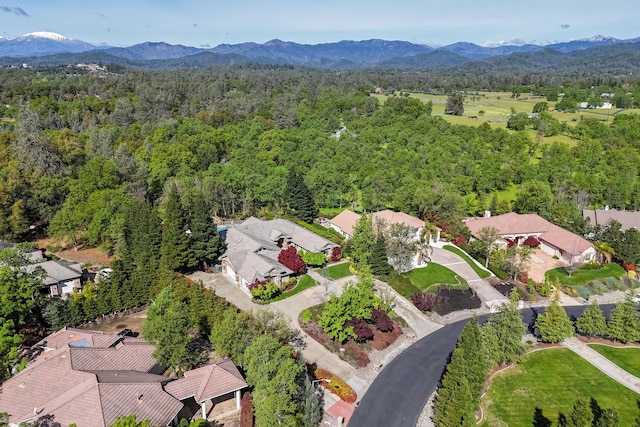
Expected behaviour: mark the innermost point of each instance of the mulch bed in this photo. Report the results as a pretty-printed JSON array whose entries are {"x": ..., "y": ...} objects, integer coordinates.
[{"x": 455, "y": 300}]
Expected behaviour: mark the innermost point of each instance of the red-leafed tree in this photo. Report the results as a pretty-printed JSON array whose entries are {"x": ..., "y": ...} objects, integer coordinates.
[
  {"x": 360, "y": 328},
  {"x": 336, "y": 254},
  {"x": 382, "y": 320},
  {"x": 289, "y": 258}
]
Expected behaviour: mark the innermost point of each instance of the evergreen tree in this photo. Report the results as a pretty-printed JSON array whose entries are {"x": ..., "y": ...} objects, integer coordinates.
[
  {"x": 554, "y": 325},
  {"x": 592, "y": 321},
  {"x": 608, "y": 418},
  {"x": 300, "y": 199},
  {"x": 379, "y": 264},
  {"x": 624, "y": 324},
  {"x": 167, "y": 327},
  {"x": 175, "y": 251},
  {"x": 581, "y": 415},
  {"x": 503, "y": 335},
  {"x": 476, "y": 356},
  {"x": 453, "y": 406},
  {"x": 360, "y": 245},
  {"x": 206, "y": 242},
  {"x": 311, "y": 411}
]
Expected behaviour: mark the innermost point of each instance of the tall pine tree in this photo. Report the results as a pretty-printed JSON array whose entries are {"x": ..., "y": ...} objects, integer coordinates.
[
  {"x": 300, "y": 199},
  {"x": 206, "y": 242},
  {"x": 453, "y": 406},
  {"x": 175, "y": 250},
  {"x": 592, "y": 322},
  {"x": 477, "y": 358}
]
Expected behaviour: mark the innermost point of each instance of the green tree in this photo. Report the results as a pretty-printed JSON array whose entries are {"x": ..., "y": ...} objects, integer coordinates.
[
  {"x": 518, "y": 121},
  {"x": 356, "y": 301},
  {"x": 232, "y": 334},
  {"x": 275, "y": 376},
  {"x": 400, "y": 247},
  {"x": 167, "y": 327},
  {"x": 477, "y": 359},
  {"x": 454, "y": 403},
  {"x": 300, "y": 199},
  {"x": 130, "y": 421},
  {"x": 175, "y": 252},
  {"x": 311, "y": 411},
  {"x": 581, "y": 415},
  {"x": 534, "y": 197},
  {"x": 554, "y": 325},
  {"x": 503, "y": 334},
  {"x": 455, "y": 104},
  {"x": 592, "y": 321},
  {"x": 379, "y": 262},
  {"x": 624, "y": 324},
  {"x": 360, "y": 245},
  {"x": 205, "y": 241}
]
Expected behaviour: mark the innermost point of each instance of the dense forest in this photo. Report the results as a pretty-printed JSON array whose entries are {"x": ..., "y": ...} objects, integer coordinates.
[{"x": 75, "y": 146}]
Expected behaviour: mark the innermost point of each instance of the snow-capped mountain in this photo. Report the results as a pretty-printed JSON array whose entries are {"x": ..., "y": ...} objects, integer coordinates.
[{"x": 41, "y": 43}]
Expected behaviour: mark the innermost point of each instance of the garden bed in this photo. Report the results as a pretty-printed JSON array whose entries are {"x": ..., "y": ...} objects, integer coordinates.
[{"x": 450, "y": 300}]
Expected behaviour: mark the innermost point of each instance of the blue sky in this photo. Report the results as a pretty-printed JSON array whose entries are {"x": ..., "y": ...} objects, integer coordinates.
[{"x": 205, "y": 23}]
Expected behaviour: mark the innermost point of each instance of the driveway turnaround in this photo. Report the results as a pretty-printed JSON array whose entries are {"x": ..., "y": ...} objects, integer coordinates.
[{"x": 398, "y": 395}]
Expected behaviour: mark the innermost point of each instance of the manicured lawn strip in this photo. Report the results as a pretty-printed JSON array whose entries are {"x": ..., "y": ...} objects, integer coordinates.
[
  {"x": 628, "y": 358},
  {"x": 337, "y": 271},
  {"x": 552, "y": 380},
  {"x": 479, "y": 271},
  {"x": 583, "y": 275},
  {"x": 403, "y": 286},
  {"x": 304, "y": 282},
  {"x": 435, "y": 274}
]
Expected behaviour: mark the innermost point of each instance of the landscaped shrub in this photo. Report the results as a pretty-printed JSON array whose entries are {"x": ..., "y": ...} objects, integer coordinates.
[
  {"x": 265, "y": 292},
  {"x": 630, "y": 267},
  {"x": 246, "y": 410},
  {"x": 360, "y": 328},
  {"x": 424, "y": 302},
  {"x": 336, "y": 254},
  {"x": 306, "y": 315},
  {"x": 289, "y": 258},
  {"x": 382, "y": 340},
  {"x": 531, "y": 241},
  {"x": 312, "y": 259},
  {"x": 336, "y": 385},
  {"x": 382, "y": 320},
  {"x": 544, "y": 289},
  {"x": 459, "y": 240}
]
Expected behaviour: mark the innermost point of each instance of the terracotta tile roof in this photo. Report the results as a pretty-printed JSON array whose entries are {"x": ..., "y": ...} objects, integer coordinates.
[
  {"x": 92, "y": 386},
  {"x": 391, "y": 217},
  {"x": 346, "y": 220},
  {"x": 514, "y": 224},
  {"x": 133, "y": 357},
  {"x": 65, "y": 336},
  {"x": 208, "y": 382}
]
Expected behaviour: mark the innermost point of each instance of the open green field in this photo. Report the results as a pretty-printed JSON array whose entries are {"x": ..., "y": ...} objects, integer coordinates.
[
  {"x": 337, "y": 271},
  {"x": 551, "y": 380},
  {"x": 584, "y": 275},
  {"x": 479, "y": 271},
  {"x": 628, "y": 358}
]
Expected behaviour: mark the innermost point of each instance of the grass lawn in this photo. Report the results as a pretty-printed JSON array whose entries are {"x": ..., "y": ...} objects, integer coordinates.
[
  {"x": 551, "y": 380},
  {"x": 304, "y": 282},
  {"x": 628, "y": 358},
  {"x": 427, "y": 278},
  {"x": 583, "y": 275},
  {"x": 479, "y": 271},
  {"x": 337, "y": 271}
]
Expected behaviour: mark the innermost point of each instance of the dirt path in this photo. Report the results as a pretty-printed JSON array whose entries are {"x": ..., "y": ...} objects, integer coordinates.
[{"x": 94, "y": 256}]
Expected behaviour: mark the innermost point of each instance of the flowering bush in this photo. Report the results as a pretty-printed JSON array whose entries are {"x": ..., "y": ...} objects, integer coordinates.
[
  {"x": 459, "y": 240},
  {"x": 424, "y": 302},
  {"x": 630, "y": 267},
  {"x": 336, "y": 385},
  {"x": 531, "y": 241}
]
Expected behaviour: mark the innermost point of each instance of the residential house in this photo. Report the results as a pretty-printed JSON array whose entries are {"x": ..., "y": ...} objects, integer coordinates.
[
  {"x": 554, "y": 240},
  {"x": 90, "y": 379},
  {"x": 59, "y": 278},
  {"x": 346, "y": 220},
  {"x": 603, "y": 217},
  {"x": 254, "y": 245}
]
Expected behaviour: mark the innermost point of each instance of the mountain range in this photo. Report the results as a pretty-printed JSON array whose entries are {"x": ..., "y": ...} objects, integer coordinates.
[{"x": 46, "y": 48}]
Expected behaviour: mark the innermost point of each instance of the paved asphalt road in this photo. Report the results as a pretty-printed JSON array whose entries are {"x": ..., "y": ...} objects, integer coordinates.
[{"x": 398, "y": 395}]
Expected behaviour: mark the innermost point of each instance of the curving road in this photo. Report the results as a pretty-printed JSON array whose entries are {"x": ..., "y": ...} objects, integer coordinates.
[{"x": 398, "y": 395}]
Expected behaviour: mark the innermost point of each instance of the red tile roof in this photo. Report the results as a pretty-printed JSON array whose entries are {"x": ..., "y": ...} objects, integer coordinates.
[
  {"x": 92, "y": 386},
  {"x": 514, "y": 224}
]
